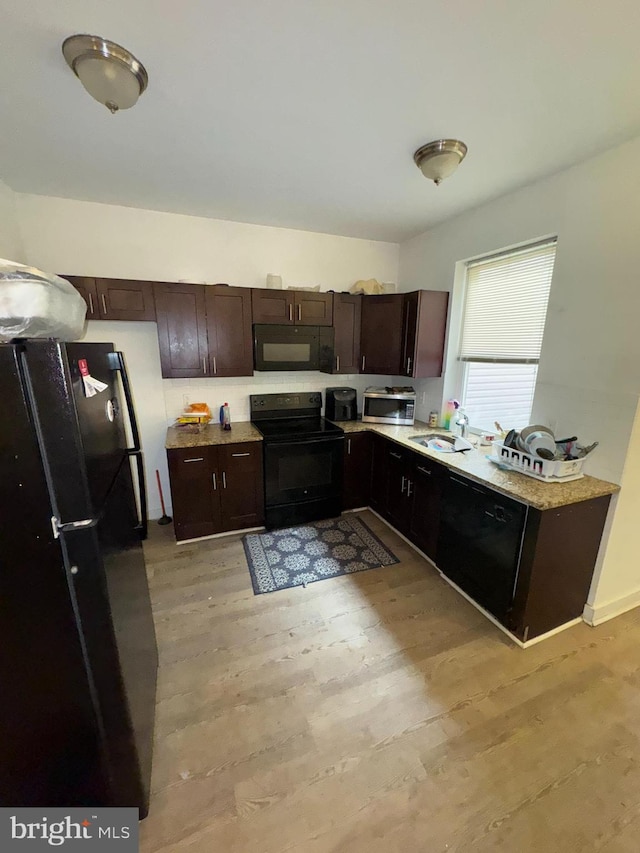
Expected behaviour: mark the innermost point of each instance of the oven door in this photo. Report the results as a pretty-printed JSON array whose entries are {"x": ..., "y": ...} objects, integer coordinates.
[
  {"x": 286, "y": 347},
  {"x": 388, "y": 409},
  {"x": 303, "y": 480}
]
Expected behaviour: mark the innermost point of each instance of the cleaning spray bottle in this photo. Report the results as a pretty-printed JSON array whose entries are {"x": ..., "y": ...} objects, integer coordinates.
[{"x": 225, "y": 416}]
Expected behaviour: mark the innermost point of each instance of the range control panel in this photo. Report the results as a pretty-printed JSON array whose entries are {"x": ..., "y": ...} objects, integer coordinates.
[{"x": 263, "y": 403}]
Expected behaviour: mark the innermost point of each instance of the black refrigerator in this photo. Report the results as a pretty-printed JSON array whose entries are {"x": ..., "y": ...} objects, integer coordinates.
[{"x": 78, "y": 654}]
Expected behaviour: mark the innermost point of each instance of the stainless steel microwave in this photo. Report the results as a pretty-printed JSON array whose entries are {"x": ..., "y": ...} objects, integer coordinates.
[
  {"x": 280, "y": 347},
  {"x": 388, "y": 406}
]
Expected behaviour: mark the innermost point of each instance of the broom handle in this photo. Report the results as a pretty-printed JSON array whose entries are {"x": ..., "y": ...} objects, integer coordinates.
[{"x": 160, "y": 490}]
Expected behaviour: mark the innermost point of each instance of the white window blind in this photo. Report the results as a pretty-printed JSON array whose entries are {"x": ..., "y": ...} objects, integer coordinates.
[{"x": 504, "y": 315}]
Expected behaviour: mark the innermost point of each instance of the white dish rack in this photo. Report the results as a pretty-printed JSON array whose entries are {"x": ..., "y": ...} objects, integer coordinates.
[{"x": 547, "y": 470}]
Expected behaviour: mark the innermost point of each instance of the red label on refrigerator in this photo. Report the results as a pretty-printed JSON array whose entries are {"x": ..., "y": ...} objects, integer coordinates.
[{"x": 82, "y": 364}]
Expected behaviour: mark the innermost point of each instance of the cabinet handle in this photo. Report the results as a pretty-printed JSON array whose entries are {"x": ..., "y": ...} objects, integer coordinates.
[
  {"x": 409, "y": 492},
  {"x": 195, "y": 459},
  {"x": 241, "y": 454},
  {"x": 423, "y": 471},
  {"x": 349, "y": 446},
  {"x": 338, "y": 363},
  {"x": 224, "y": 480},
  {"x": 408, "y": 367},
  {"x": 104, "y": 304},
  {"x": 291, "y": 312},
  {"x": 90, "y": 303},
  {"x": 395, "y": 456},
  {"x": 363, "y": 360},
  {"x": 204, "y": 364},
  {"x": 299, "y": 313},
  {"x": 215, "y": 365},
  {"x": 402, "y": 486},
  {"x": 215, "y": 482}
]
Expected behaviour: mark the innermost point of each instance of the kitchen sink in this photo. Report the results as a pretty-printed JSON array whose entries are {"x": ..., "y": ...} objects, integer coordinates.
[{"x": 451, "y": 443}]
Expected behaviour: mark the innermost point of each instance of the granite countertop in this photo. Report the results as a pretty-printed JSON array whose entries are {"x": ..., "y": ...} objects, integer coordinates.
[
  {"x": 212, "y": 434},
  {"x": 473, "y": 464},
  {"x": 476, "y": 466}
]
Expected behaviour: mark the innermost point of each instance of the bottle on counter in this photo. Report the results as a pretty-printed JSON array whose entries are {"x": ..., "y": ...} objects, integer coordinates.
[
  {"x": 225, "y": 416},
  {"x": 433, "y": 419},
  {"x": 449, "y": 413}
]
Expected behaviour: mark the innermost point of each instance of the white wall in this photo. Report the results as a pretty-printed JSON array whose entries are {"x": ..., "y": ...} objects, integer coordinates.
[
  {"x": 10, "y": 241},
  {"x": 83, "y": 238},
  {"x": 589, "y": 375}
]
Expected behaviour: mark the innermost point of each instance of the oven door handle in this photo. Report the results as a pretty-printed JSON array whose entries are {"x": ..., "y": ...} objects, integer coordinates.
[{"x": 307, "y": 441}]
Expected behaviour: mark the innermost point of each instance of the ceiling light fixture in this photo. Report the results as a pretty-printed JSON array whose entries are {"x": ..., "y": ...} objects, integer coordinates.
[
  {"x": 437, "y": 160},
  {"x": 108, "y": 72}
]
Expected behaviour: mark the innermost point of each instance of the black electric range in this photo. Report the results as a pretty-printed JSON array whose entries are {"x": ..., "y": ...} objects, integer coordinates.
[{"x": 303, "y": 458}]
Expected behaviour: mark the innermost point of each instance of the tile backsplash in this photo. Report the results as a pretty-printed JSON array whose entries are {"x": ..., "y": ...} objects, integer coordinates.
[{"x": 236, "y": 390}]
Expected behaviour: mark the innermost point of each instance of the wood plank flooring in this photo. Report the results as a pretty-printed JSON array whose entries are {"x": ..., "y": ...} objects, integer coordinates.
[{"x": 380, "y": 712}]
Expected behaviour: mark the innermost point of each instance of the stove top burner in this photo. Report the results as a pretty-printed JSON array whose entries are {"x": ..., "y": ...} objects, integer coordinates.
[{"x": 287, "y": 428}]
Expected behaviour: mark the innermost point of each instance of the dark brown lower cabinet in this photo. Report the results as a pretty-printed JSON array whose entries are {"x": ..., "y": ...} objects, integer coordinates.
[
  {"x": 196, "y": 503},
  {"x": 530, "y": 568},
  {"x": 242, "y": 493},
  {"x": 425, "y": 486},
  {"x": 357, "y": 470},
  {"x": 216, "y": 488}
]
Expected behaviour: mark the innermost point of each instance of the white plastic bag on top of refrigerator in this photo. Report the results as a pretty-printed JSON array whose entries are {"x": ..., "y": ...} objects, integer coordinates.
[{"x": 36, "y": 304}]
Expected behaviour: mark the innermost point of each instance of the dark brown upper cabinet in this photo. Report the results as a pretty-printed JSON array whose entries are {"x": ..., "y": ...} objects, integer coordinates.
[
  {"x": 347, "y": 313},
  {"x": 230, "y": 342},
  {"x": 86, "y": 287},
  {"x": 292, "y": 307},
  {"x": 115, "y": 298},
  {"x": 381, "y": 336},
  {"x": 182, "y": 330},
  {"x": 424, "y": 330},
  {"x": 122, "y": 299}
]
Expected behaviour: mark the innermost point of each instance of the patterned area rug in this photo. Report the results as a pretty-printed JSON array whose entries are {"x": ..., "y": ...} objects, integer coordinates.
[{"x": 297, "y": 556}]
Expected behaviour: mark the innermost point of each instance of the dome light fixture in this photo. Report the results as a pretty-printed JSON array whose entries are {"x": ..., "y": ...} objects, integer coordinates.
[
  {"x": 108, "y": 72},
  {"x": 437, "y": 160}
]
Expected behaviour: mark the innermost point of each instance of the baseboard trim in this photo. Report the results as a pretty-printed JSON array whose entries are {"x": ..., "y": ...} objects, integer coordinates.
[
  {"x": 532, "y": 642},
  {"x": 602, "y": 613},
  {"x": 242, "y": 530}
]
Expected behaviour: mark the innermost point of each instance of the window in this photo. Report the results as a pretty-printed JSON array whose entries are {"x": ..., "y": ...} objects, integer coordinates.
[{"x": 505, "y": 308}]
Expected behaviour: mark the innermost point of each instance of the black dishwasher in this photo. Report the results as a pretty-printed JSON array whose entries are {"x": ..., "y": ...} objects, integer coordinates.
[{"x": 479, "y": 542}]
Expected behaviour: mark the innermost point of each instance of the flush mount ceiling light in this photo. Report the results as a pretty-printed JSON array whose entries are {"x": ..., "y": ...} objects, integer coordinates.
[
  {"x": 108, "y": 72},
  {"x": 437, "y": 160}
]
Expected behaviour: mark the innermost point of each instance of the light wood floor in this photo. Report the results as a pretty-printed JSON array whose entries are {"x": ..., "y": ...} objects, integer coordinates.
[{"x": 380, "y": 712}]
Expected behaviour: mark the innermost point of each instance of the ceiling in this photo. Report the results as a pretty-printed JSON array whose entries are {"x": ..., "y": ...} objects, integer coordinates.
[{"x": 306, "y": 114}]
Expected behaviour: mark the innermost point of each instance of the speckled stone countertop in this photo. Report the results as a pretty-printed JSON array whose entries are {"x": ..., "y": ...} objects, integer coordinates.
[
  {"x": 476, "y": 466},
  {"x": 473, "y": 464},
  {"x": 211, "y": 434}
]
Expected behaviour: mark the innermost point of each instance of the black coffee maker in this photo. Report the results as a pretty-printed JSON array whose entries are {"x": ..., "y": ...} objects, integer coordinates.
[{"x": 341, "y": 404}]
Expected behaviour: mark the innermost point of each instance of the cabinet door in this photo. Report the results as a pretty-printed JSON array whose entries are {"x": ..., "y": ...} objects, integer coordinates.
[
  {"x": 195, "y": 491},
  {"x": 313, "y": 309},
  {"x": 400, "y": 495},
  {"x": 121, "y": 299},
  {"x": 381, "y": 334},
  {"x": 272, "y": 306},
  {"x": 229, "y": 330},
  {"x": 424, "y": 331},
  {"x": 242, "y": 484},
  {"x": 347, "y": 313},
  {"x": 379, "y": 475},
  {"x": 182, "y": 330},
  {"x": 426, "y": 487},
  {"x": 86, "y": 287},
  {"x": 357, "y": 470}
]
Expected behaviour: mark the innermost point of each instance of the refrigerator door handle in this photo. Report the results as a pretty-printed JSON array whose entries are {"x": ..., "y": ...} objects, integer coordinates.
[
  {"x": 136, "y": 450},
  {"x": 142, "y": 526},
  {"x": 122, "y": 368}
]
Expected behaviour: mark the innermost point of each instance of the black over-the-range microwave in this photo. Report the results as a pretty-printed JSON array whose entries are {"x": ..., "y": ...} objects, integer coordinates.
[{"x": 278, "y": 347}]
